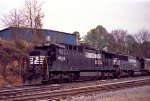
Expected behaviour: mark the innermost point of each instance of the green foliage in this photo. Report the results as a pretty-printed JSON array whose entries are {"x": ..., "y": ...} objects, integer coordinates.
[
  {"x": 131, "y": 44},
  {"x": 78, "y": 36},
  {"x": 110, "y": 42},
  {"x": 96, "y": 37}
]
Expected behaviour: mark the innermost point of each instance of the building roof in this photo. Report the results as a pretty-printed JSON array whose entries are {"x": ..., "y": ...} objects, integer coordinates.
[{"x": 37, "y": 29}]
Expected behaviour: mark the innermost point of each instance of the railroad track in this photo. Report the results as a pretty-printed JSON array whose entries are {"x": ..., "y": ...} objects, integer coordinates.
[{"x": 45, "y": 93}]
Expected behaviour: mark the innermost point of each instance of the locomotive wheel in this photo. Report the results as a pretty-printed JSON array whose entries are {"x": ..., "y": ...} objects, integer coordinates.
[
  {"x": 131, "y": 73},
  {"x": 44, "y": 82},
  {"x": 102, "y": 76},
  {"x": 71, "y": 77},
  {"x": 115, "y": 74},
  {"x": 60, "y": 80},
  {"x": 108, "y": 75}
]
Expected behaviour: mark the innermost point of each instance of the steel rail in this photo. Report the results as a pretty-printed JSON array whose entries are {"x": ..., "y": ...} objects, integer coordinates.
[
  {"x": 13, "y": 90},
  {"x": 74, "y": 91}
]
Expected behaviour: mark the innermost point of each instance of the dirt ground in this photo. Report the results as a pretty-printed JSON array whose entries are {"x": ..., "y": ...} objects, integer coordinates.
[
  {"x": 130, "y": 94},
  {"x": 130, "y": 97}
]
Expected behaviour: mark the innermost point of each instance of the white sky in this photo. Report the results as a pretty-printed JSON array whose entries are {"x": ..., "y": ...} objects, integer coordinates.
[{"x": 84, "y": 15}]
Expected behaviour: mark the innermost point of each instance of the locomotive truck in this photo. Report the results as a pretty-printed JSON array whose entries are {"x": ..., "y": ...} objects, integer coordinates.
[{"x": 52, "y": 62}]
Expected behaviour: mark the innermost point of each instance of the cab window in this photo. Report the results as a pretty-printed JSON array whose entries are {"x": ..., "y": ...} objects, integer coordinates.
[{"x": 61, "y": 51}]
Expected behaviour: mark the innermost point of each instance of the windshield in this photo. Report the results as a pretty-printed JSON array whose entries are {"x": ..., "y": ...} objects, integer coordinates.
[{"x": 34, "y": 53}]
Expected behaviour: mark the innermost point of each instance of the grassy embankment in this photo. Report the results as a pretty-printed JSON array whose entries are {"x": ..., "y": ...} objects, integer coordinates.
[{"x": 13, "y": 56}]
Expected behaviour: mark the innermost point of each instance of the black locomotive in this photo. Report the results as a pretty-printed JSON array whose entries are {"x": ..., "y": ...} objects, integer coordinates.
[{"x": 50, "y": 63}]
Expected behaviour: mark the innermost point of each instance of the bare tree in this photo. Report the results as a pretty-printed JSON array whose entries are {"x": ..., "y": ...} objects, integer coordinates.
[
  {"x": 32, "y": 14},
  {"x": 29, "y": 16},
  {"x": 14, "y": 19},
  {"x": 142, "y": 36},
  {"x": 119, "y": 36}
]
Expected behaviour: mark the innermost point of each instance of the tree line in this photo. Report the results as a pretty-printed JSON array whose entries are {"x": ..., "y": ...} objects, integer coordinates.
[{"x": 118, "y": 41}]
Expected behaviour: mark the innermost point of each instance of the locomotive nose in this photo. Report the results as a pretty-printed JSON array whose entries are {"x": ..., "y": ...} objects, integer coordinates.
[{"x": 34, "y": 71}]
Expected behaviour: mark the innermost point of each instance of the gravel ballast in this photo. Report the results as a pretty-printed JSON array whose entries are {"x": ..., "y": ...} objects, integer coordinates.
[{"x": 130, "y": 94}]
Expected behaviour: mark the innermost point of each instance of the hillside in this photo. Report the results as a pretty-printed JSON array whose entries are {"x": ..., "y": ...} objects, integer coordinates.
[{"x": 13, "y": 57}]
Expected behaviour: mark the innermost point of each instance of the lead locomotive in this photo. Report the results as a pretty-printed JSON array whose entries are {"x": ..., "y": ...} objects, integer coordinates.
[{"x": 50, "y": 63}]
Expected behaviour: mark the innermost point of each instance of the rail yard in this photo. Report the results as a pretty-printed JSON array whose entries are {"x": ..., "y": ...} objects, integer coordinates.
[{"x": 63, "y": 57}]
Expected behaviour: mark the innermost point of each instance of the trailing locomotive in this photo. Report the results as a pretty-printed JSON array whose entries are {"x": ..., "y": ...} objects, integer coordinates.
[{"x": 61, "y": 62}]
